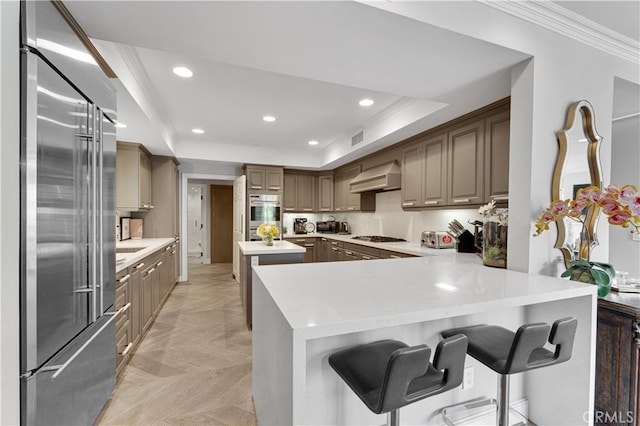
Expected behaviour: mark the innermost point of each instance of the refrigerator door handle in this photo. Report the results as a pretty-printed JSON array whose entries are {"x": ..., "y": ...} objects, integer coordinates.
[
  {"x": 98, "y": 135},
  {"x": 60, "y": 368},
  {"x": 84, "y": 135},
  {"x": 94, "y": 214}
]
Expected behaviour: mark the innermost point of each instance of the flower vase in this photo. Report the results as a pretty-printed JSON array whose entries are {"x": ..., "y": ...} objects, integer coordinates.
[
  {"x": 268, "y": 240},
  {"x": 494, "y": 239},
  {"x": 583, "y": 270}
]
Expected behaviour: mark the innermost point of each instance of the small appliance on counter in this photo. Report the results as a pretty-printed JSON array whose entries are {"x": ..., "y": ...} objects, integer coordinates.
[
  {"x": 437, "y": 239},
  {"x": 299, "y": 225},
  {"x": 343, "y": 228},
  {"x": 136, "y": 229},
  {"x": 327, "y": 227}
]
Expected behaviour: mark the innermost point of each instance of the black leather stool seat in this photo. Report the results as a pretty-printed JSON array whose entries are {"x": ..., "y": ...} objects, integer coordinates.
[
  {"x": 388, "y": 374},
  {"x": 506, "y": 352}
]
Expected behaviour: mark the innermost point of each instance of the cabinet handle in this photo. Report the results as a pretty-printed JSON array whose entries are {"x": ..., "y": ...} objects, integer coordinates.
[
  {"x": 140, "y": 265},
  {"x": 158, "y": 264},
  {"x": 289, "y": 208},
  {"x": 124, "y": 308},
  {"x": 307, "y": 210},
  {"x": 150, "y": 271},
  {"x": 348, "y": 252},
  {"x": 256, "y": 186},
  {"x": 309, "y": 245},
  {"x": 334, "y": 243},
  {"x": 430, "y": 203},
  {"x": 325, "y": 210},
  {"x": 127, "y": 349},
  {"x": 151, "y": 206},
  {"x": 351, "y": 208},
  {"x": 408, "y": 204},
  {"x": 499, "y": 197},
  {"x": 323, "y": 239},
  {"x": 274, "y": 188},
  {"x": 394, "y": 256},
  {"x": 338, "y": 209},
  {"x": 167, "y": 248},
  {"x": 334, "y": 248},
  {"x": 124, "y": 279},
  {"x": 461, "y": 200},
  {"x": 365, "y": 257},
  {"x": 146, "y": 206},
  {"x": 173, "y": 252}
]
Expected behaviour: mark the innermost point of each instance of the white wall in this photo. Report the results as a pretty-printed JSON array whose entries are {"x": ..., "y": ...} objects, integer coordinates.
[
  {"x": 9, "y": 213},
  {"x": 624, "y": 252}
]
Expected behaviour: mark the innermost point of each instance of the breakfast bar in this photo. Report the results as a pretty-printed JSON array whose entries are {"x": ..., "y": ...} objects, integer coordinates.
[{"x": 304, "y": 313}]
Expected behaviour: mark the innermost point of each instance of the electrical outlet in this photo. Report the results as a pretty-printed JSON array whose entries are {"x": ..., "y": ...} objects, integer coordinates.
[{"x": 467, "y": 379}]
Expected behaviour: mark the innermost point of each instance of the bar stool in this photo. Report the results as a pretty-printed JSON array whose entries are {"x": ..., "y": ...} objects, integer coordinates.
[
  {"x": 388, "y": 374},
  {"x": 506, "y": 352}
]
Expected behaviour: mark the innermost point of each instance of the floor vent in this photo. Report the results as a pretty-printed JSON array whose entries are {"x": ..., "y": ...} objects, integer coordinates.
[{"x": 357, "y": 138}]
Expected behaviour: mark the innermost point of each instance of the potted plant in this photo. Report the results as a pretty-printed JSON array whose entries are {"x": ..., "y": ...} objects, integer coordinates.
[
  {"x": 622, "y": 208},
  {"x": 268, "y": 231}
]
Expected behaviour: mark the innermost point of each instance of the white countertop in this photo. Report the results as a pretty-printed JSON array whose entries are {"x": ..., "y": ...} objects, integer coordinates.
[
  {"x": 254, "y": 248},
  {"x": 149, "y": 246},
  {"x": 401, "y": 247},
  {"x": 324, "y": 299}
]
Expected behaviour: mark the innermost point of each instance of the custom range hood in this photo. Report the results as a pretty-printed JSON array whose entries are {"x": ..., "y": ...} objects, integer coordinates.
[{"x": 380, "y": 178}]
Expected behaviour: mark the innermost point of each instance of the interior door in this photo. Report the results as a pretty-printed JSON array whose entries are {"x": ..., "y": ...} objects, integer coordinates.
[
  {"x": 56, "y": 293},
  {"x": 239, "y": 221}
]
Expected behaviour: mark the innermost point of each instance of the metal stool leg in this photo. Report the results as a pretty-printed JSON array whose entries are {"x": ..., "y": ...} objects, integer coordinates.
[
  {"x": 393, "y": 418},
  {"x": 502, "y": 416}
]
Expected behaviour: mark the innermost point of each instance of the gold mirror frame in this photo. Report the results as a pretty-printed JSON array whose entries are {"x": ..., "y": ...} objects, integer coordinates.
[{"x": 584, "y": 110}]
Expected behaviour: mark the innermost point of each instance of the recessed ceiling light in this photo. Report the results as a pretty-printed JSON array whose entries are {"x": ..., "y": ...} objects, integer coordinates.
[
  {"x": 198, "y": 131},
  {"x": 121, "y": 125},
  {"x": 269, "y": 118},
  {"x": 313, "y": 142},
  {"x": 366, "y": 102},
  {"x": 183, "y": 72}
]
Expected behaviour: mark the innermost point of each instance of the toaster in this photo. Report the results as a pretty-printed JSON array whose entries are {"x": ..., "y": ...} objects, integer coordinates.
[{"x": 436, "y": 239}]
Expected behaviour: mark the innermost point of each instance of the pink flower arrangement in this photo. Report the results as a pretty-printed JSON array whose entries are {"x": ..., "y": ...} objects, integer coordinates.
[{"x": 620, "y": 205}]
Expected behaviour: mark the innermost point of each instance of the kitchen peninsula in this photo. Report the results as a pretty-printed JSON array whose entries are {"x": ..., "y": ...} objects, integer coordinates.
[{"x": 303, "y": 313}]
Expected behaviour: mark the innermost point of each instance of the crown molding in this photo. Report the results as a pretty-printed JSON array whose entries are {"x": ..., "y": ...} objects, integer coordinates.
[
  {"x": 551, "y": 16},
  {"x": 153, "y": 106}
]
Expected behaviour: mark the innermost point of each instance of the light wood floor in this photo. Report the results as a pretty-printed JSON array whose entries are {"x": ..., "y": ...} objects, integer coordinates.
[{"x": 194, "y": 364}]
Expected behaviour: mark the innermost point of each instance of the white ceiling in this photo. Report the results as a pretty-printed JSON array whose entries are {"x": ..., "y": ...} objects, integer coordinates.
[{"x": 306, "y": 63}]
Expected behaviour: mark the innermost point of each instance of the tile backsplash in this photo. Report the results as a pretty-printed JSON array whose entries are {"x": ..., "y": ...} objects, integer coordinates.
[{"x": 390, "y": 220}]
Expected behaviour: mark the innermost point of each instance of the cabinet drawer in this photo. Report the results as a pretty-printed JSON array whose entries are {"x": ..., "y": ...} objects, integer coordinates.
[
  {"x": 369, "y": 251},
  {"x": 123, "y": 345}
]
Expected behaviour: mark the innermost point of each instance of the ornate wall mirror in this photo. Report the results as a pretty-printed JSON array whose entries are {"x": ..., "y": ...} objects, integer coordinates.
[{"x": 577, "y": 166}]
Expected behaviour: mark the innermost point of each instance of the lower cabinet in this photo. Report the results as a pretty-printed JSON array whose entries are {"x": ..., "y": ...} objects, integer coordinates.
[
  {"x": 326, "y": 249},
  {"x": 141, "y": 289},
  {"x": 617, "y": 356},
  {"x": 309, "y": 244}
]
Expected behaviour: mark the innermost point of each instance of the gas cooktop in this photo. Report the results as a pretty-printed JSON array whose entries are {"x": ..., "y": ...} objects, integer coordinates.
[{"x": 378, "y": 239}]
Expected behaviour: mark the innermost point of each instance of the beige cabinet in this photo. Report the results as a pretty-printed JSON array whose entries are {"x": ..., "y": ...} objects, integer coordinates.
[
  {"x": 424, "y": 173},
  {"x": 299, "y": 193},
  {"x": 122, "y": 305},
  {"x": 310, "y": 244},
  {"x": 146, "y": 299},
  {"x": 133, "y": 177},
  {"x": 264, "y": 178},
  {"x": 162, "y": 221},
  {"x": 136, "y": 314},
  {"x": 345, "y": 200},
  {"x": 496, "y": 159},
  {"x": 325, "y": 193},
  {"x": 465, "y": 174}
]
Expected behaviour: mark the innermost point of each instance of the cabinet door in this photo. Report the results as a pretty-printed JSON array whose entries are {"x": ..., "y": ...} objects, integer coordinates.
[
  {"x": 496, "y": 179},
  {"x": 616, "y": 359},
  {"x": 310, "y": 254},
  {"x": 434, "y": 172},
  {"x": 136, "y": 314},
  {"x": 412, "y": 176},
  {"x": 273, "y": 180},
  {"x": 306, "y": 193},
  {"x": 465, "y": 184},
  {"x": 325, "y": 193},
  {"x": 145, "y": 181},
  {"x": 127, "y": 178},
  {"x": 340, "y": 196},
  {"x": 256, "y": 179},
  {"x": 290, "y": 196},
  {"x": 352, "y": 199},
  {"x": 147, "y": 302}
]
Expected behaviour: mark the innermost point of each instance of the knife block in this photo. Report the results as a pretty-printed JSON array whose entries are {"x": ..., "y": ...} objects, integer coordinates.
[{"x": 466, "y": 243}]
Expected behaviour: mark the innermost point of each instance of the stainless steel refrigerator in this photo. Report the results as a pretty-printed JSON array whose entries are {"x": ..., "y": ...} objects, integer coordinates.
[{"x": 67, "y": 238}]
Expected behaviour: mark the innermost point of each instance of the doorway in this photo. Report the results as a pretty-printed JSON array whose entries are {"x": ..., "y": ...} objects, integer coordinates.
[
  {"x": 196, "y": 229},
  {"x": 221, "y": 224}
]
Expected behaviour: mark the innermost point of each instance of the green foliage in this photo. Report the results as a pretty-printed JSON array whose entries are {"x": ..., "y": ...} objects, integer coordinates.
[{"x": 597, "y": 273}]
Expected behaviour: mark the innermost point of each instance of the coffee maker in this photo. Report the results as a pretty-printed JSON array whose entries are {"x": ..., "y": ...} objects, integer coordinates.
[{"x": 299, "y": 224}]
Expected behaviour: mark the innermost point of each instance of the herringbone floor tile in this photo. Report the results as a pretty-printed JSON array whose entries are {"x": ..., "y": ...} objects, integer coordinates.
[{"x": 193, "y": 367}]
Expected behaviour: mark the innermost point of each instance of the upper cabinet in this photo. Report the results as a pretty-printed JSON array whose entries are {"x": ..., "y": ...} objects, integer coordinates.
[
  {"x": 265, "y": 179},
  {"x": 465, "y": 178},
  {"x": 424, "y": 177},
  {"x": 344, "y": 199},
  {"x": 464, "y": 163},
  {"x": 133, "y": 177},
  {"x": 162, "y": 221},
  {"x": 299, "y": 192},
  {"x": 325, "y": 193},
  {"x": 496, "y": 158}
]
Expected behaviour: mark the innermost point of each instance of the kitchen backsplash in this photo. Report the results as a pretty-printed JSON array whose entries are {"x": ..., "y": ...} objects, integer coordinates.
[{"x": 390, "y": 220}]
